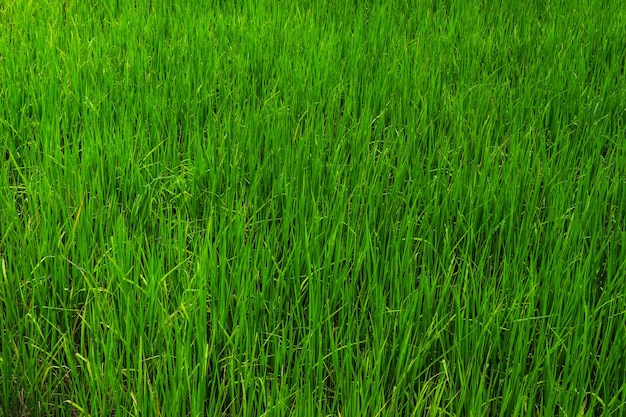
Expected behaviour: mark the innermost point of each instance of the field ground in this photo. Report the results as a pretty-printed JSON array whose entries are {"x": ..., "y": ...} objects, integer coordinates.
[{"x": 312, "y": 208}]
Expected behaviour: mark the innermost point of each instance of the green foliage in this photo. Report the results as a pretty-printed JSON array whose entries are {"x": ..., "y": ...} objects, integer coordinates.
[{"x": 308, "y": 208}]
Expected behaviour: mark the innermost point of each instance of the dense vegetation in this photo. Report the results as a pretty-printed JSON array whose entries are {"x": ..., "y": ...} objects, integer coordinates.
[{"x": 312, "y": 208}]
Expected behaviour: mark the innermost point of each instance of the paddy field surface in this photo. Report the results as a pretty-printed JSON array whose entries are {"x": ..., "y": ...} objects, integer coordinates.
[{"x": 312, "y": 208}]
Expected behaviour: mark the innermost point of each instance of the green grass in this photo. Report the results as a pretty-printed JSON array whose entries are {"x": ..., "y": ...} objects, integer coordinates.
[{"x": 325, "y": 208}]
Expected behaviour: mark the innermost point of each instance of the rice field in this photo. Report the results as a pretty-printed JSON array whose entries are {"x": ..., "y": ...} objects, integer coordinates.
[{"x": 312, "y": 208}]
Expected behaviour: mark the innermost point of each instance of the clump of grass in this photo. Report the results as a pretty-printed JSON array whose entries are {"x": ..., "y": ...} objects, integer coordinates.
[{"x": 312, "y": 209}]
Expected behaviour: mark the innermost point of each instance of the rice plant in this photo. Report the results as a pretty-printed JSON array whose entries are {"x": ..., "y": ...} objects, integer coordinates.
[{"x": 303, "y": 208}]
